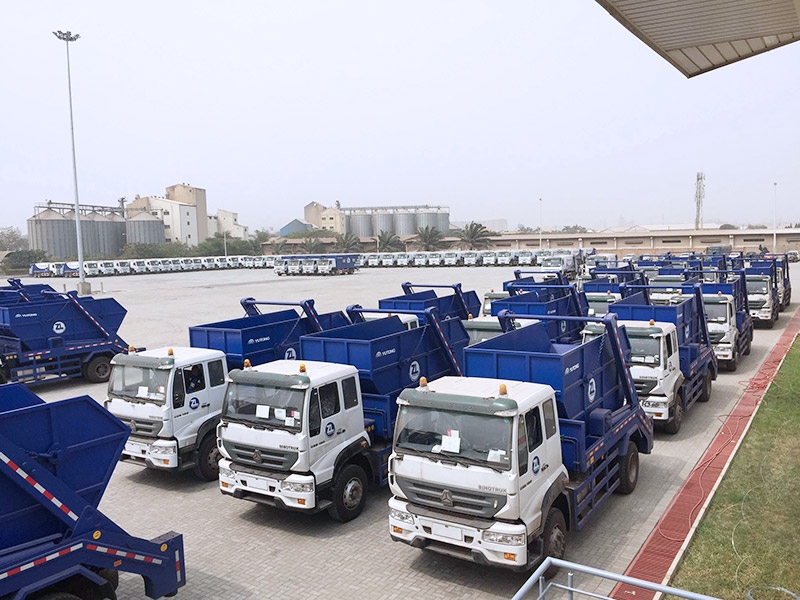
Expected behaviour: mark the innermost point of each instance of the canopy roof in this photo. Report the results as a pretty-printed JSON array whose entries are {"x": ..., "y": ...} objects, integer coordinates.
[{"x": 696, "y": 36}]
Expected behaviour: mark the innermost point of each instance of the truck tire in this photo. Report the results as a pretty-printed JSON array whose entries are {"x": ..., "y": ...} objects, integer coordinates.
[
  {"x": 554, "y": 538},
  {"x": 59, "y": 596},
  {"x": 733, "y": 364},
  {"x": 628, "y": 470},
  {"x": 673, "y": 426},
  {"x": 705, "y": 393},
  {"x": 98, "y": 369},
  {"x": 748, "y": 345},
  {"x": 207, "y": 467},
  {"x": 111, "y": 576},
  {"x": 349, "y": 494}
]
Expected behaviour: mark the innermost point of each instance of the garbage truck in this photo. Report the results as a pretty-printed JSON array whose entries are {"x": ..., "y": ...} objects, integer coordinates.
[
  {"x": 51, "y": 335},
  {"x": 311, "y": 435},
  {"x": 56, "y": 460},
  {"x": 497, "y": 466}
]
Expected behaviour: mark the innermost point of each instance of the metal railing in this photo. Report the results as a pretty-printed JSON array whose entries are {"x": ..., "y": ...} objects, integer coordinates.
[{"x": 552, "y": 587}]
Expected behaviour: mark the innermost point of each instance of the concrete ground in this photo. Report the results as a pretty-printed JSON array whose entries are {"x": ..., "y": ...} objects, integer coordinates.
[{"x": 239, "y": 550}]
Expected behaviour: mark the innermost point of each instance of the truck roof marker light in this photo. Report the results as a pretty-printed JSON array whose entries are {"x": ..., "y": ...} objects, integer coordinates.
[
  {"x": 247, "y": 364},
  {"x": 170, "y": 352},
  {"x": 302, "y": 367},
  {"x": 503, "y": 389},
  {"x": 131, "y": 349},
  {"x": 652, "y": 321},
  {"x": 719, "y": 293},
  {"x": 423, "y": 382},
  {"x": 470, "y": 317}
]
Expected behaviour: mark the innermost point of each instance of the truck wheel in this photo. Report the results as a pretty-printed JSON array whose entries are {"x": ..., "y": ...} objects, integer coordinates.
[
  {"x": 674, "y": 426},
  {"x": 705, "y": 393},
  {"x": 554, "y": 539},
  {"x": 628, "y": 470},
  {"x": 349, "y": 494},
  {"x": 59, "y": 596},
  {"x": 769, "y": 324},
  {"x": 98, "y": 369},
  {"x": 748, "y": 345},
  {"x": 733, "y": 364},
  {"x": 111, "y": 576},
  {"x": 207, "y": 467}
]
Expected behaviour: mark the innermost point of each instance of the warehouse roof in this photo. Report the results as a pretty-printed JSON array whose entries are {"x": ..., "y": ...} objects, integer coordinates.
[{"x": 696, "y": 36}]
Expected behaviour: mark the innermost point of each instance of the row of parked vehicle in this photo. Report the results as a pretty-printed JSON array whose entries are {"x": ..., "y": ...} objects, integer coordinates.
[{"x": 95, "y": 268}]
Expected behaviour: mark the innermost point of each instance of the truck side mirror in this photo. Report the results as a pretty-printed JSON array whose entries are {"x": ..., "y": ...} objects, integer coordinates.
[{"x": 178, "y": 393}]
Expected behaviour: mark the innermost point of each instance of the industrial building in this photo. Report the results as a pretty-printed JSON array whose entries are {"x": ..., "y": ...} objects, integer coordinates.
[{"x": 370, "y": 221}]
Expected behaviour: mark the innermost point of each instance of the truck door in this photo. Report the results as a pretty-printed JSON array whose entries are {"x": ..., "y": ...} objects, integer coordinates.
[
  {"x": 326, "y": 428},
  {"x": 190, "y": 402},
  {"x": 540, "y": 465}
]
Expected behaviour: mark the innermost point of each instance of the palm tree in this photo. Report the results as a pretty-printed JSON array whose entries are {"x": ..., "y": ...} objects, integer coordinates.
[
  {"x": 388, "y": 242},
  {"x": 278, "y": 247},
  {"x": 347, "y": 243},
  {"x": 429, "y": 238},
  {"x": 474, "y": 236},
  {"x": 311, "y": 245}
]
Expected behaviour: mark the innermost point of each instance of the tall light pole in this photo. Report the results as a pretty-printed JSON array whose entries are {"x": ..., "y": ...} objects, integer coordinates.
[
  {"x": 83, "y": 288},
  {"x": 775, "y": 218},
  {"x": 541, "y": 223}
]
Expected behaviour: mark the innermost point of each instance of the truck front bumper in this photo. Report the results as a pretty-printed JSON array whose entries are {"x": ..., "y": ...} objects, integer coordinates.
[
  {"x": 723, "y": 351},
  {"x": 459, "y": 540},
  {"x": 764, "y": 314},
  {"x": 156, "y": 454},
  {"x": 282, "y": 490}
]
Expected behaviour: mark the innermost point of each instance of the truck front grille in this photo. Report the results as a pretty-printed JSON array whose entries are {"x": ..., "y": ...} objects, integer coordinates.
[
  {"x": 265, "y": 458},
  {"x": 142, "y": 427},
  {"x": 716, "y": 336},
  {"x": 453, "y": 499},
  {"x": 756, "y": 304},
  {"x": 644, "y": 386}
]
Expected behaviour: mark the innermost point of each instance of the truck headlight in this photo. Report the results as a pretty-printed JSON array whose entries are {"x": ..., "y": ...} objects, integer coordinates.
[
  {"x": 227, "y": 473},
  {"x": 400, "y": 515},
  {"x": 289, "y": 486},
  {"x": 165, "y": 450},
  {"x": 654, "y": 404},
  {"x": 508, "y": 539}
]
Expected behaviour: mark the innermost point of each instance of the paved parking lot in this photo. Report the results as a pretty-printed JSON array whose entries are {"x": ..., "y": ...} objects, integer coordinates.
[{"x": 239, "y": 550}]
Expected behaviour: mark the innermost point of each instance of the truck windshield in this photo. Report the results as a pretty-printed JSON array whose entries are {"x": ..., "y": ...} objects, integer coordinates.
[
  {"x": 144, "y": 384},
  {"x": 757, "y": 286},
  {"x": 277, "y": 408},
  {"x": 478, "y": 439},
  {"x": 598, "y": 308},
  {"x": 717, "y": 312},
  {"x": 646, "y": 350},
  {"x": 552, "y": 262}
]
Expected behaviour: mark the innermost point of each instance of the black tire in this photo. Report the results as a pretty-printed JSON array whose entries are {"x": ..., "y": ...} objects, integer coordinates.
[
  {"x": 770, "y": 324},
  {"x": 98, "y": 369},
  {"x": 628, "y": 469},
  {"x": 673, "y": 426},
  {"x": 554, "y": 538},
  {"x": 733, "y": 364},
  {"x": 207, "y": 467},
  {"x": 748, "y": 345},
  {"x": 59, "y": 596},
  {"x": 705, "y": 393},
  {"x": 349, "y": 494},
  {"x": 111, "y": 576}
]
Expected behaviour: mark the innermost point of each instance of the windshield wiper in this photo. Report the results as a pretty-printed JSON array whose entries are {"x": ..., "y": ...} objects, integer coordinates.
[{"x": 468, "y": 461}]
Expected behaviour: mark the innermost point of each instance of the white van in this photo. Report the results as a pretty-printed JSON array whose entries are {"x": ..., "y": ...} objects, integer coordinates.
[
  {"x": 122, "y": 267},
  {"x": 139, "y": 266},
  {"x": 91, "y": 269},
  {"x": 152, "y": 265},
  {"x": 107, "y": 267}
]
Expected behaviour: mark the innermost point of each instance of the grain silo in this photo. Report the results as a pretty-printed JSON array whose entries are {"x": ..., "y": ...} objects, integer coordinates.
[
  {"x": 90, "y": 234},
  {"x": 382, "y": 220},
  {"x": 54, "y": 233},
  {"x": 427, "y": 218},
  {"x": 405, "y": 223},
  {"x": 144, "y": 228},
  {"x": 118, "y": 235},
  {"x": 443, "y": 221},
  {"x": 361, "y": 224}
]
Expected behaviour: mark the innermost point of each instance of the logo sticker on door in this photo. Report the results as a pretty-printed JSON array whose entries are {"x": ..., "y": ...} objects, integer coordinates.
[
  {"x": 563, "y": 326},
  {"x": 59, "y": 327},
  {"x": 291, "y": 354},
  {"x": 536, "y": 465},
  {"x": 194, "y": 403},
  {"x": 413, "y": 371},
  {"x": 329, "y": 429}
]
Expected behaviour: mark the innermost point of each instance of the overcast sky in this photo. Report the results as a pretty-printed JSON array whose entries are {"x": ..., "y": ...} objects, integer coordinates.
[{"x": 481, "y": 106}]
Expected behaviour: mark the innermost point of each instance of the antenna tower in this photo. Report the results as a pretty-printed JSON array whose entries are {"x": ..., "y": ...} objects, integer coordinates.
[{"x": 699, "y": 195}]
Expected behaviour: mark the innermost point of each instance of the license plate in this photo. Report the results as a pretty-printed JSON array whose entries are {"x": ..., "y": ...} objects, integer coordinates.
[
  {"x": 453, "y": 533},
  {"x": 135, "y": 448}
]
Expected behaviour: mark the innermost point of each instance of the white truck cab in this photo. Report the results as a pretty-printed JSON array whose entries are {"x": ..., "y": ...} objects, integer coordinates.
[
  {"x": 171, "y": 399},
  {"x": 493, "y": 449},
  {"x": 288, "y": 436},
  {"x": 763, "y": 308},
  {"x": 655, "y": 368}
]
